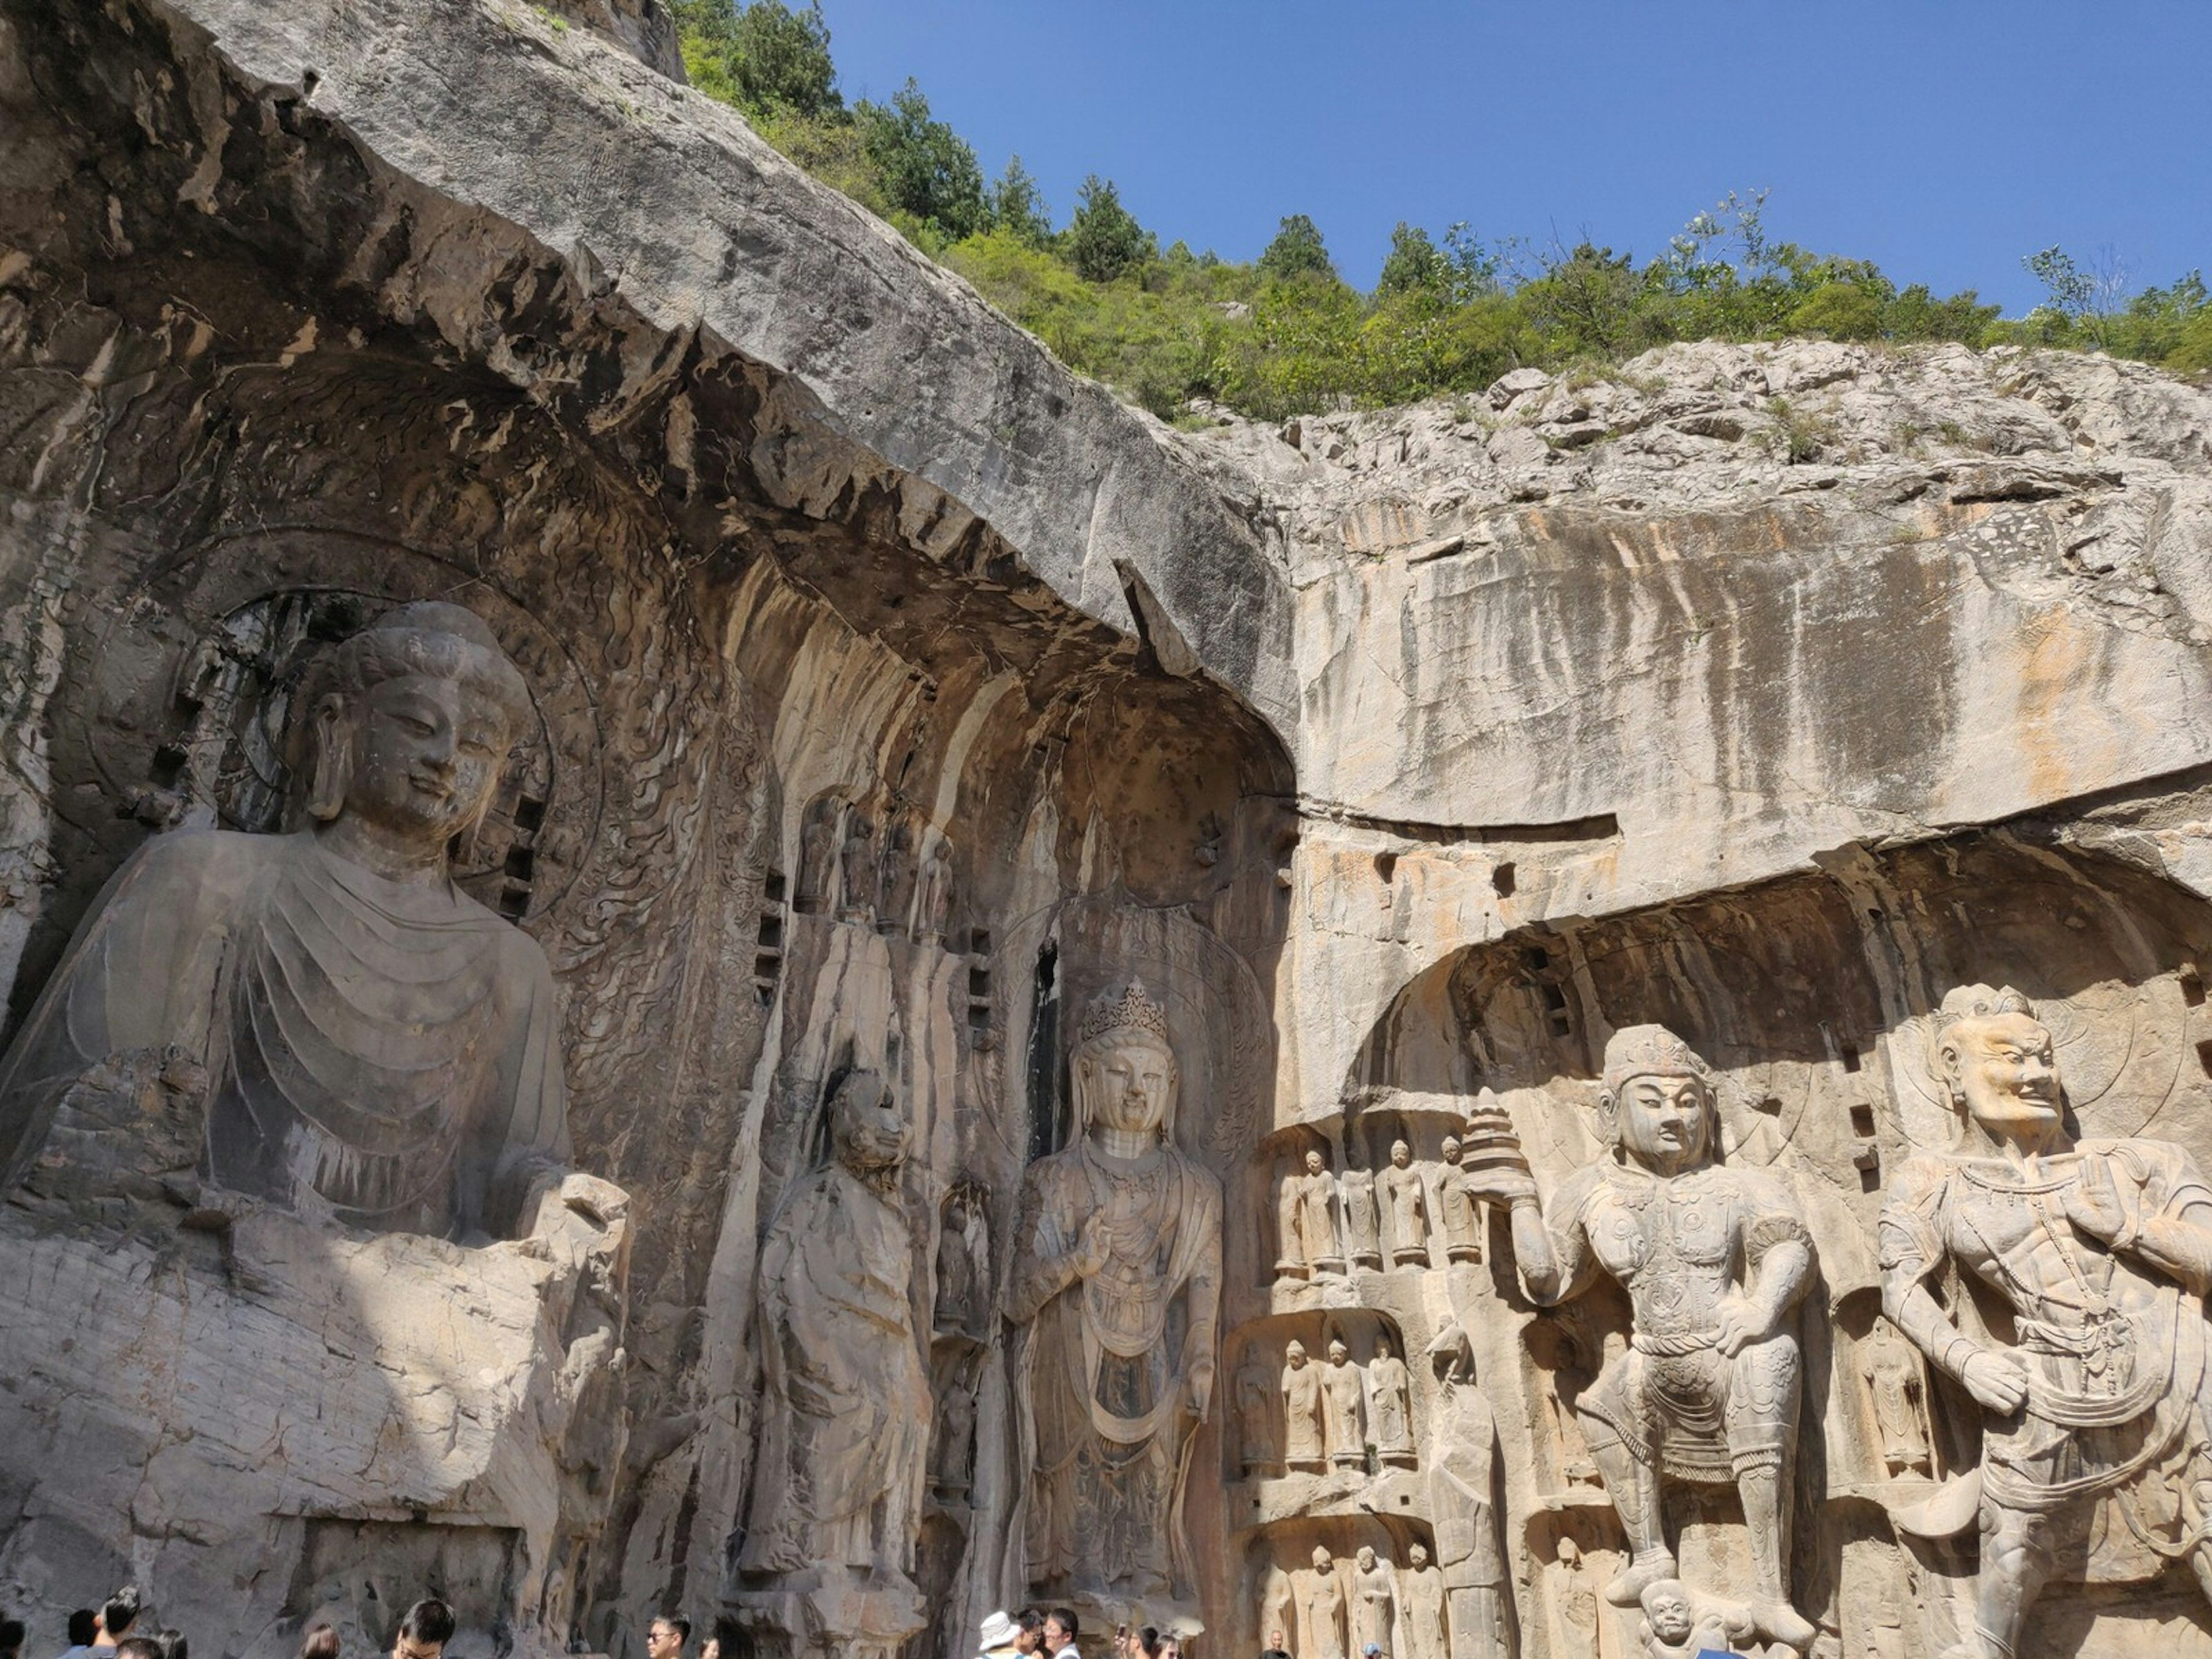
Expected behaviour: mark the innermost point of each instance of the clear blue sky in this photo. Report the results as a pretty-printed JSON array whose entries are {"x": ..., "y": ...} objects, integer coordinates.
[{"x": 1943, "y": 140}]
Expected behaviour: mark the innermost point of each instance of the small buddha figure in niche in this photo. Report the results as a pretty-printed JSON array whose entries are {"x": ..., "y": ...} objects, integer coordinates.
[
  {"x": 1407, "y": 1201},
  {"x": 1307, "y": 1223},
  {"x": 369, "y": 1045}
]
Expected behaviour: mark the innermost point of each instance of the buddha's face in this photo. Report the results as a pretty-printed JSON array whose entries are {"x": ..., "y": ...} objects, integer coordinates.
[
  {"x": 1338, "y": 1354},
  {"x": 1418, "y": 1556},
  {"x": 427, "y": 753},
  {"x": 1401, "y": 1153},
  {"x": 2002, "y": 1069},
  {"x": 1366, "y": 1559},
  {"x": 1321, "y": 1560},
  {"x": 1313, "y": 1163},
  {"x": 1128, "y": 1080},
  {"x": 1296, "y": 1353},
  {"x": 866, "y": 1122},
  {"x": 1668, "y": 1606},
  {"x": 1382, "y": 1347},
  {"x": 1664, "y": 1120},
  {"x": 1450, "y": 1149}
]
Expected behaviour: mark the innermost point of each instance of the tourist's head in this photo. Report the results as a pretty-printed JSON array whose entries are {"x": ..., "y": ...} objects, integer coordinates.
[
  {"x": 1123, "y": 1068},
  {"x": 411, "y": 721},
  {"x": 83, "y": 1626},
  {"x": 120, "y": 1612},
  {"x": 1061, "y": 1628},
  {"x": 1667, "y": 1608},
  {"x": 1029, "y": 1630},
  {"x": 137, "y": 1647},
  {"x": 171, "y": 1644},
  {"x": 1657, "y": 1097},
  {"x": 424, "y": 1632},
  {"x": 711, "y": 1648},
  {"x": 321, "y": 1642},
  {"x": 11, "y": 1637},
  {"x": 1994, "y": 1062},
  {"x": 665, "y": 1636},
  {"x": 866, "y": 1127}
]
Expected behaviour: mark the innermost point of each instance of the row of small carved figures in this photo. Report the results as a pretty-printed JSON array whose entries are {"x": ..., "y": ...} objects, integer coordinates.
[
  {"x": 1312, "y": 1415},
  {"x": 1341, "y": 1608},
  {"x": 1328, "y": 1223}
]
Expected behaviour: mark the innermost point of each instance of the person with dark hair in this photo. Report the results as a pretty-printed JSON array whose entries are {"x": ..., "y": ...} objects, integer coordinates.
[
  {"x": 11, "y": 1638},
  {"x": 1060, "y": 1633},
  {"x": 172, "y": 1643},
  {"x": 711, "y": 1648},
  {"x": 665, "y": 1636},
  {"x": 424, "y": 1632},
  {"x": 137, "y": 1647},
  {"x": 321, "y": 1642},
  {"x": 1029, "y": 1631},
  {"x": 116, "y": 1615},
  {"x": 84, "y": 1631}
]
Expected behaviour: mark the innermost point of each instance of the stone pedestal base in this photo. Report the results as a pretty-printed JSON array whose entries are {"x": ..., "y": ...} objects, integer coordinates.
[{"x": 263, "y": 1422}]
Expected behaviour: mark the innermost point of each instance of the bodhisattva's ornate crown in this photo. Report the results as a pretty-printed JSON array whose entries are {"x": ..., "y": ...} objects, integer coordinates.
[
  {"x": 1979, "y": 1002},
  {"x": 1651, "y": 1051},
  {"x": 1123, "y": 1009}
]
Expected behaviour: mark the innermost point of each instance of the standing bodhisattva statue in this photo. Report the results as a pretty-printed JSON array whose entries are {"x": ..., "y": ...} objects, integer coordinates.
[
  {"x": 1117, "y": 1277},
  {"x": 845, "y": 1409},
  {"x": 1713, "y": 1259},
  {"x": 369, "y": 1044},
  {"x": 2103, "y": 1252}
]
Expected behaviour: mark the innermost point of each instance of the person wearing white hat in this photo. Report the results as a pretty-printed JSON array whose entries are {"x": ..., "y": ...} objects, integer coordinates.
[{"x": 999, "y": 1636}]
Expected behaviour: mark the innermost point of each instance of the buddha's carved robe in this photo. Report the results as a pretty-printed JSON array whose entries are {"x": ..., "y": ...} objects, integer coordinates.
[{"x": 376, "y": 1053}]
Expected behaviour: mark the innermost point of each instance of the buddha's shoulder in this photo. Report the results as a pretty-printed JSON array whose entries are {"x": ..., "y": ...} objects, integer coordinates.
[{"x": 202, "y": 863}]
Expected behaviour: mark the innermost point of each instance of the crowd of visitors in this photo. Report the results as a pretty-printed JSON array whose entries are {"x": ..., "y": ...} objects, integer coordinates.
[{"x": 110, "y": 1632}]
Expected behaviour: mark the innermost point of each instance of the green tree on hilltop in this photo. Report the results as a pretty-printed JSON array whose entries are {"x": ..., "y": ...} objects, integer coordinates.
[
  {"x": 763, "y": 58},
  {"x": 1018, "y": 206},
  {"x": 927, "y": 170},
  {"x": 1297, "y": 251},
  {"x": 1415, "y": 263},
  {"x": 1104, "y": 239}
]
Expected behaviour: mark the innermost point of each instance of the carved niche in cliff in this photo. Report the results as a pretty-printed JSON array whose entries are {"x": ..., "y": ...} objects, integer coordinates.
[
  {"x": 1830, "y": 1144},
  {"x": 316, "y": 1047}
]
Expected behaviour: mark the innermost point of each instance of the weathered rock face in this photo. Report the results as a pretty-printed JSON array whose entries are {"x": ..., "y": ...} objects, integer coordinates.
[{"x": 891, "y": 696}]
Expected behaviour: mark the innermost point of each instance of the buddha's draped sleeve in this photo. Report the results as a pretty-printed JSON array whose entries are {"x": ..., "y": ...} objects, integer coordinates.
[
  {"x": 530, "y": 1109},
  {"x": 141, "y": 976}
]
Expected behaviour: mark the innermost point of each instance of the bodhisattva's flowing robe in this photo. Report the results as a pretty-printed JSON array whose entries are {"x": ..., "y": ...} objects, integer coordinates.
[
  {"x": 377, "y": 1053},
  {"x": 1107, "y": 1361},
  {"x": 846, "y": 1414}
]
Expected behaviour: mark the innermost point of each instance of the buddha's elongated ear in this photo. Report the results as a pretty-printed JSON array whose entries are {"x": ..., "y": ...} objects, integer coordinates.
[{"x": 330, "y": 738}]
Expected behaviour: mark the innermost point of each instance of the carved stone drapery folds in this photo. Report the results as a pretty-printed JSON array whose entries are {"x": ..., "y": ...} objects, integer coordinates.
[
  {"x": 317, "y": 1048},
  {"x": 837, "y": 1491},
  {"x": 1116, "y": 1279}
]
